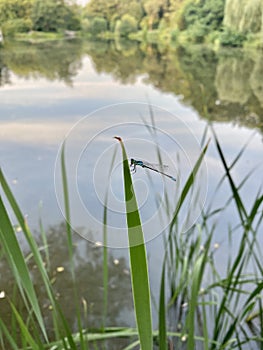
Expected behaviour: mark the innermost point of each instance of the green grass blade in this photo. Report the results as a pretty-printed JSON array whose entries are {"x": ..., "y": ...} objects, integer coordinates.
[
  {"x": 44, "y": 238},
  {"x": 25, "y": 331},
  {"x": 242, "y": 150},
  {"x": 105, "y": 264},
  {"x": 105, "y": 248},
  {"x": 188, "y": 185},
  {"x": 239, "y": 204},
  {"x": 67, "y": 207},
  {"x": 198, "y": 273},
  {"x": 162, "y": 313},
  {"x": 12, "y": 202},
  {"x": 9, "y": 337},
  {"x": 18, "y": 265},
  {"x": 138, "y": 261},
  {"x": 70, "y": 250}
]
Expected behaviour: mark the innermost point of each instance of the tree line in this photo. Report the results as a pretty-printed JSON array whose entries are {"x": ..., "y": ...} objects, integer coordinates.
[
  {"x": 219, "y": 21},
  {"x": 18, "y": 16},
  {"x": 226, "y": 22}
]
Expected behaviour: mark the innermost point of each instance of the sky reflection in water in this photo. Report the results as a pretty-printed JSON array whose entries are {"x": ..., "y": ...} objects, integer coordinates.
[{"x": 37, "y": 114}]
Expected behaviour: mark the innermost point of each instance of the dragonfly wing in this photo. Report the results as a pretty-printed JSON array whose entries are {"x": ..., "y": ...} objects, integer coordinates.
[
  {"x": 160, "y": 170},
  {"x": 156, "y": 166}
]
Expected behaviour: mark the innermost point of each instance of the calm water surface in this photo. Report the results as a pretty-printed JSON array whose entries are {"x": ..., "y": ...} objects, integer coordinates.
[{"x": 88, "y": 93}]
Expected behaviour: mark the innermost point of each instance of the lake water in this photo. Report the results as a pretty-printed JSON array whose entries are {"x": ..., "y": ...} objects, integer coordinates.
[{"x": 157, "y": 99}]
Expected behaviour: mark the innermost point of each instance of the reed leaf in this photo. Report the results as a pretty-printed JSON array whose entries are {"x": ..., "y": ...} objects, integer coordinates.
[
  {"x": 138, "y": 260},
  {"x": 188, "y": 185},
  {"x": 162, "y": 313},
  {"x": 18, "y": 265}
]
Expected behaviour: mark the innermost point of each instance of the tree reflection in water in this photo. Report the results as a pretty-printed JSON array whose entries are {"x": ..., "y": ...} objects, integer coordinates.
[{"x": 224, "y": 85}]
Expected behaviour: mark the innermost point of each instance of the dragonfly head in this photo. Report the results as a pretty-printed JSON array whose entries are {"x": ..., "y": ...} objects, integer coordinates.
[{"x": 132, "y": 161}]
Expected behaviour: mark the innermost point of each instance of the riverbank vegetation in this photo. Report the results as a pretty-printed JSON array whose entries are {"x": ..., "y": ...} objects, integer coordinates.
[{"x": 215, "y": 22}]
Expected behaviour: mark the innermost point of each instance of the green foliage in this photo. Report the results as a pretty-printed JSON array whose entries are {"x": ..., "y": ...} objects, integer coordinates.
[
  {"x": 196, "y": 33},
  {"x": 198, "y": 17},
  {"x": 98, "y": 25},
  {"x": 193, "y": 20},
  {"x": 101, "y": 9},
  {"x": 54, "y": 15},
  {"x": 152, "y": 36},
  {"x": 72, "y": 18},
  {"x": 19, "y": 25},
  {"x": 50, "y": 16},
  {"x": 155, "y": 10},
  {"x": 135, "y": 10},
  {"x": 201, "y": 17},
  {"x": 112, "y": 10},
  {"x": 244, "y": 15},
  {"x": 15, "y": 9},
  {"x": 126, "y": 25},
  {"x": 174, "y": 34},
  {"x": 231, "y": 38}
]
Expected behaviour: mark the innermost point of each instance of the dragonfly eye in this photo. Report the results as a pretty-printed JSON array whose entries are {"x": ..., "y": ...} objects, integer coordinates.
[{"x": 132, "y": 161}]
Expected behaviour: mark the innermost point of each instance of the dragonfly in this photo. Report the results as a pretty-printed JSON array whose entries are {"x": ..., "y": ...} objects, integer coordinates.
[{"x": 134, "y": 163}]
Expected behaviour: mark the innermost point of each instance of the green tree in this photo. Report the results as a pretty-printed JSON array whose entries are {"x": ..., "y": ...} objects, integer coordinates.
[
  {"x": 244, "y": 15},
  {"x": 199, "y": 18},
  {"x": 54, "y": 15},
  {"x": 102, "y": 8},
  {"x": 18, "y": 25},
  {"x": 15, "y": 9},
  {"x": 135, "y": 9},
  {"x": 208, "y": 13},
  {"x": 126, "y": 25},
  {"x": 113, "y": 10},
  {"x": 72, "y": 17},
  {"x": 98, "y": 25},
  {"x": 15, "y": 16},
  {"x": 155, "y": 10}
]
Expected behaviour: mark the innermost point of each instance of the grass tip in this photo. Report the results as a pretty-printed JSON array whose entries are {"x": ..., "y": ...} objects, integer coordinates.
[{"x": 118, "y": 138}]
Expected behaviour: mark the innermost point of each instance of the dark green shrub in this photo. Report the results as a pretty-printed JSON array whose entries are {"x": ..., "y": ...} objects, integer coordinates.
[
  {"x": 126, "y": 25},
  {"x": 231, "y": 38},
  {"x": 98, "y": 25},
  {"x": 197, "y": 32},
  {"x": 208, "y": 13},
  {"x": 19, "y": 25},
  {"x": 54, "y": 15}
]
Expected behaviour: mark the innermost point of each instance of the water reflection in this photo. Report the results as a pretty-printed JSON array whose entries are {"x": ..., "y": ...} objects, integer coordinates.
[
  {"x": 222, "y": 86},
  {"x": 89, "y": 279},
  {"x": 59, "y": 60}
]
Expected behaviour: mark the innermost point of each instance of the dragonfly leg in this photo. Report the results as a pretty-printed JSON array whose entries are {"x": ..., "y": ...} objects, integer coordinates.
[{"x": 133, "y": 169}]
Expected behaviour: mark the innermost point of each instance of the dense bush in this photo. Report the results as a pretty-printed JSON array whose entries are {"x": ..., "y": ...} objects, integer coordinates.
[
  {"x": 98, "y": 25},
  {"x": 20, "y": 25},
  {"x": 197, "y": 33},
  {"x": 231, "y": 38},
  {"x": 126, "y": 25},
  {"x": 54, "y": 15},
  {"x": 14, "y": 10},
  {"x": 209, "y": 13}
]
